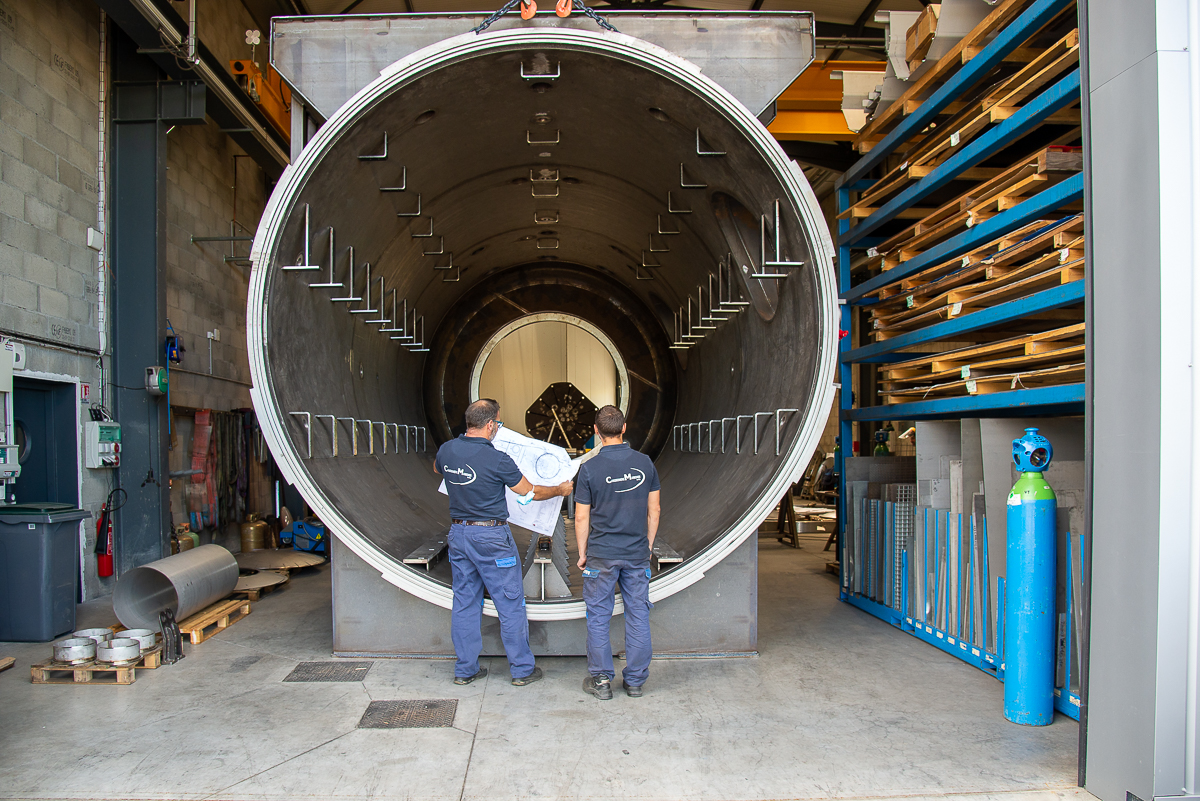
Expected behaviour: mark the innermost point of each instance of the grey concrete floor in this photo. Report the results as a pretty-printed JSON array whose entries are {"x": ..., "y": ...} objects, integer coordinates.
[{"x": 838, "y": 705}]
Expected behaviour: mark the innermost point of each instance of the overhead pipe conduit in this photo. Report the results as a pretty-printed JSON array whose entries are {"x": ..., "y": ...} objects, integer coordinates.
[{"x": 487, "y": 178}]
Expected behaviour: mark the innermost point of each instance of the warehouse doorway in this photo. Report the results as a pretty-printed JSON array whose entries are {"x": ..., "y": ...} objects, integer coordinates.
[{"x": 45, "y": 423}]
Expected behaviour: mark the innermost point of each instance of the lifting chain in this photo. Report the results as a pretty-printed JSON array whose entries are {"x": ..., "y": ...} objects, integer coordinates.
[{"x": 529, "y": 7}]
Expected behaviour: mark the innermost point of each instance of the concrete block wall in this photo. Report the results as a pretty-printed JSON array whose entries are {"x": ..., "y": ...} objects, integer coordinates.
[
  {"x": 203, "y": 292},
  {"x": 49, "y": 77},
  {"x": 49, "y": 146}
]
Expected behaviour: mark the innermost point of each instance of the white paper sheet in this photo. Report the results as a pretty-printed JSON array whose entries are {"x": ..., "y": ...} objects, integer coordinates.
[{"x": 541, "y": 463}]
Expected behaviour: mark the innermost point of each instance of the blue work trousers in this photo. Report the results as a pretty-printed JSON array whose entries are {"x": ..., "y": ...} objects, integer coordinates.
[
  {"x": 486, "y": 556},
  {"x": 601, "y": 577}
]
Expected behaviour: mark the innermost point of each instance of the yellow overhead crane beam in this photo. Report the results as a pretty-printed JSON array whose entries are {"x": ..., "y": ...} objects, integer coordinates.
[{"x": 811, "y": 108}]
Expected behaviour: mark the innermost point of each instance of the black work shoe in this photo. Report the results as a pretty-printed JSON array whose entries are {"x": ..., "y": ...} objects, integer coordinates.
[
  {"x": 468, "y": 679},
  {"x": 598, "y": 686},
  {"x": 536, "y": 675},
  {"x": 632, "y": 690}
]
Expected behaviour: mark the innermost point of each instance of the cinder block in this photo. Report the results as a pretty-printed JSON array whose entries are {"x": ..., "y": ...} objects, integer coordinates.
[
  {"x": 33, "y": 98},
  {"x": 16, "y": 173},
  {"x": 52, "y": 193},
  {"x": 20, "y": 293},
  {"x": 50, "y": 137},
  {"x": 24, "y": 321},
  {"x": 62, "y": 330},
  {"x": 63, "y": 119},
  {"x": 53, "y": 303},
  {"x": 39, "y": 270},
  {"x": 81, "y": 208},
  {"x": 70, "y": 176},
  {"x": 53, "y": 247},
  {"x": 72, "y": 231},
  {"x": 12, "y": 200},
  {"x": 22, "y": 60},
  {"x": 39, "y": 157},
  {"x": 70, "y": 283},
  {"x": 39, "y": 214},
  {"x": 9, "y": 80},
  {"x": 83, "y": 157},
  {"x": 10, "y": 140},
  {"x": 16, "y": 114},
  {"x": 55, "y": 85},
  {"x": 12, "y": 260},
  {"x": 83, "y": 311},
  {"x": 15, "y": 231},
  {"x": 83, "y": 260},
  {"x": 89, "y": 335},
  {"x": 36, "y": 42}
]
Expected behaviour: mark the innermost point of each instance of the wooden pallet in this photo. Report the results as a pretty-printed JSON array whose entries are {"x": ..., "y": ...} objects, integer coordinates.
[
  {"x": 93, "y": 672},
  {"x": 203, "y": 625},
  {"x": 7, "y": 662}
]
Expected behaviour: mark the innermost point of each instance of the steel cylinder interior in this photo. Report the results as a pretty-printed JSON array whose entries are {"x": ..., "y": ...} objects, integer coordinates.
[{"x": 523, "y": 173}]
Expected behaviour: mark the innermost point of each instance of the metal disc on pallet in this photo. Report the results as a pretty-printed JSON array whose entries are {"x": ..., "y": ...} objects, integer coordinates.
[
  {"x": 259, "y": 579},
  {"x": 276, "y": 560},
  {"x": 75, "y": 650},
  {"x": 119, "y": 652}
]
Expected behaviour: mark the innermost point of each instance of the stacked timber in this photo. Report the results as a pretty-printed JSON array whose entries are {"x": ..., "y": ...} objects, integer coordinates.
[{"x": 973, "y": 182}]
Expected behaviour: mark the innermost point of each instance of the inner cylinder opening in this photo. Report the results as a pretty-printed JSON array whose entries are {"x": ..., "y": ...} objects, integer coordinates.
[
  {"x": 616, "y": 192},
  {"x": 550, "y": 373}
]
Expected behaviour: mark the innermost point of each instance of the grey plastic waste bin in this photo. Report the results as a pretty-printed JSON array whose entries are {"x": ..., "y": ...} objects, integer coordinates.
[{"x": 39, "y": 554}]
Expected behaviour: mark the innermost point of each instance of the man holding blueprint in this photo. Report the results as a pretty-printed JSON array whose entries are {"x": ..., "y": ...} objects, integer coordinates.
[{"x": 482, "y": 552}]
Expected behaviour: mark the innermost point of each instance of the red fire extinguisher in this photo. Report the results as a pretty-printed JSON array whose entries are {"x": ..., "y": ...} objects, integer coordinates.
[{"x": 104, "y": 532}]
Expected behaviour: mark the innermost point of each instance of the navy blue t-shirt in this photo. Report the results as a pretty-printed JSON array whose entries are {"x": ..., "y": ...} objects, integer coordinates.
[
  {"x": 617, "y": 483},
  {"x": 476, "y": 475}
]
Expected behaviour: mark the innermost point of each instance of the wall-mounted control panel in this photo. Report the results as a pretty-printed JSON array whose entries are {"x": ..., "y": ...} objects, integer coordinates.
[{"x": 102, "y": 446}]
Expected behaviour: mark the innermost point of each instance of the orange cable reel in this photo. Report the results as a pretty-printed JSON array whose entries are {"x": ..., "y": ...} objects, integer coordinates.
[{"x": 528, "y": 9}]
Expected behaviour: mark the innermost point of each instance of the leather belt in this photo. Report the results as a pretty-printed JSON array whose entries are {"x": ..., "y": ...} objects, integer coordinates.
[{"x": 478, "y": 522}]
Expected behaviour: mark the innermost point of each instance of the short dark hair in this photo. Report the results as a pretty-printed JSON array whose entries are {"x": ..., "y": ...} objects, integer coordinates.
[
  {"x": 481, "y": 412},
  {"x": 609, "y": 421}
]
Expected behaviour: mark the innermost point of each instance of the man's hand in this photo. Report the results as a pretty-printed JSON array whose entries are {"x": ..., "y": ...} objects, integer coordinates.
[
  {"x": 582, "y": 562},
  {"x": 566, "y": 488}
]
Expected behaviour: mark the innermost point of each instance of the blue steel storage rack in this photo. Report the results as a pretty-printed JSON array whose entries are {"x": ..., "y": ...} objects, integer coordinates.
[{"x": 1046, "y": 400}]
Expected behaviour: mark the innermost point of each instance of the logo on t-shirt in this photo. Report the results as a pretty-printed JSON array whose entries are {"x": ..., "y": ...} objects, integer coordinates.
[
  {"x": 632, "y": 474},
  {"x": 468, "y": 474}
]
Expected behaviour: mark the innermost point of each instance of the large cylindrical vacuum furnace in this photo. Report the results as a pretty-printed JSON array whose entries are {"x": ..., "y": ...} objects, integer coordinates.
[{"x": 537, "y": 171}]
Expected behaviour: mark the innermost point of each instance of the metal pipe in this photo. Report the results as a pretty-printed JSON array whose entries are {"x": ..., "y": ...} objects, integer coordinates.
[{"x": 184, "y": 583}]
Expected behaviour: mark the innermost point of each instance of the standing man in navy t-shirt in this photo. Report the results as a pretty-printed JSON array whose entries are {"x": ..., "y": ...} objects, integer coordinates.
[
  {"x": 482, "y": 551},
  {"x": 616, "y": 519}
]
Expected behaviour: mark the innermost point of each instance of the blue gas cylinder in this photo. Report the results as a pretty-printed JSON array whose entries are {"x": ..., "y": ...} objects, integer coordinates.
[{"x": 1030, "y": 583}]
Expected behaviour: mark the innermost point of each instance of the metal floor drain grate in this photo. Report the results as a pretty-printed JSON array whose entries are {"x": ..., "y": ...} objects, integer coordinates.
[
  {"x": 329, "y": 671},
  {"x": 435, "y": 714}
]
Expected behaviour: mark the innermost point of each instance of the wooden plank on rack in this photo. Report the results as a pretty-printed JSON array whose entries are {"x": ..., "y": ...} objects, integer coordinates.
[
  {"x": 1050, "y": 376},
  {"x": 946, "y": 65},
  {"x": 1025, "y": 344},
  {"x": 961, "y": 301},
  {"x": 978, "y": 369}
]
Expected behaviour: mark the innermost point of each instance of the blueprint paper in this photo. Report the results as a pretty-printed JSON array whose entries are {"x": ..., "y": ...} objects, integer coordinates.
[{"x": 543, "y": 464}]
